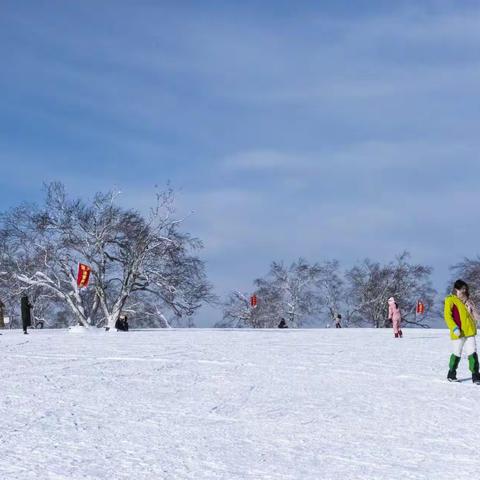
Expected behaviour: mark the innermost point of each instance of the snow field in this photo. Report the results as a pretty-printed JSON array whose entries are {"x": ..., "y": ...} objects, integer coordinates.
[{"x": 235, "y": 404}]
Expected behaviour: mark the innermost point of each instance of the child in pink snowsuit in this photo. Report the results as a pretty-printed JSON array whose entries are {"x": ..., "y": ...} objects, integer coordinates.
[{"x": 395, "y": 316}]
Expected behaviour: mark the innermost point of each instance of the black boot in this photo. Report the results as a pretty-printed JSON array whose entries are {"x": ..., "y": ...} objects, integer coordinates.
[
  {"x": 474, "y": 367},
  {"x": 452, "y": 376},
  {"x": 452, "y": 371}
]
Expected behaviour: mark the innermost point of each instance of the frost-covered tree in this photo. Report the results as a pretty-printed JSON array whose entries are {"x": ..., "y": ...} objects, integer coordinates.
[
  {"x": 129, "y": 254},
  {"x": 330, "y": 284},
  {"x": 286, "y": 292},
  {"x": 11, "y": 307},
  {"x": 370, "y": 284},
  {"x": 238, "y": 312},
  {"x": 296, "y": 290},
  {"x": 146, "y": 311},
  {"x": 469, "y": 271}
]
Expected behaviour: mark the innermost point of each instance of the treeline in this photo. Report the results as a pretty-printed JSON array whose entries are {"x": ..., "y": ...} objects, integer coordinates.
[
  {"x": 144, "y": 266},
  {"x": 147, "y": 267},
  {"x": 306, "y": 293}
]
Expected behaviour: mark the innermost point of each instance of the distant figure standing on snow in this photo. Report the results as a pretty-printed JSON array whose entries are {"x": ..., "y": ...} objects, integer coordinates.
[
  {"x": 26, "y": 308},
  {"x": 338, "y": 319},
  {"x": 282, "y": 324},
  {"x": 395, "y": 316},
  {"x": 463, "y": 330},
  {"x": 122, "y": 324}
]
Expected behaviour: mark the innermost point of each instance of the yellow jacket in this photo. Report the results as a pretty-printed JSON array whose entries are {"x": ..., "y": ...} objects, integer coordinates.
[{"x": 457, "y": 315}]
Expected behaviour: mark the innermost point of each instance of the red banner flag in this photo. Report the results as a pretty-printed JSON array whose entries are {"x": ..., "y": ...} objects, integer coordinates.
[
  {"x": 83, "y": 275},
  {"x": 420, "y": 308},
  {"x": 253, "y": 300}
]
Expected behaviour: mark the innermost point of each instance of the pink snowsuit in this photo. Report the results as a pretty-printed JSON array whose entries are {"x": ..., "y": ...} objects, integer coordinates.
[{"x": 394, "y": 315}]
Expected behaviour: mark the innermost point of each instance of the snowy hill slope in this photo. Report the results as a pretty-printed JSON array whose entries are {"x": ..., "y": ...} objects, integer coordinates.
[{"x": 218, "y": 404}]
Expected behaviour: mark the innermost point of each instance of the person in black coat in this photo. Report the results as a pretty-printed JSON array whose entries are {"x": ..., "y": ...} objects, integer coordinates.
[
  {"x": 282, "y": 324},
  {"x": 122, "y": 324},
  {"x": 26, "y": 308}
]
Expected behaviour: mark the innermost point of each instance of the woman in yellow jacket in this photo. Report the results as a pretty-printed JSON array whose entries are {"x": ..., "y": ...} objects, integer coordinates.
[{"x": 463, "y": 330}]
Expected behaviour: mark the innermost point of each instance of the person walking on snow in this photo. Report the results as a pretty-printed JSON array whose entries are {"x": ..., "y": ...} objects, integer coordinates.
[
  {"x": 395, "y": 316},
  {"x": 463, "y": 329}
]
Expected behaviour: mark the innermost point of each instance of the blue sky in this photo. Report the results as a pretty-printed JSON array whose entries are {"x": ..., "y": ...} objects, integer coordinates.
[{"x": 319, "y": 129}]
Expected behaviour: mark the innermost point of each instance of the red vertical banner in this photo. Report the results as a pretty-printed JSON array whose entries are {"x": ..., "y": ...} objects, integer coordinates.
[
  {"x": 83, "y": 275},
  {"x": 420, "y": 308},
  {"x": 253, "y": 301}
]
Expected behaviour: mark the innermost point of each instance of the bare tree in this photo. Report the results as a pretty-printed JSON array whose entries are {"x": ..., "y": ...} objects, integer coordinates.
[
  {"x": 271, "y": 304},
  {"x": 128, "y": 253},
  {"x": 37, "y": 252},
  {"x": 238, "y": 312},
  {"x": 147, "y": 311},
  {"x": 286, "y": 292},
  {"x": 469, "y": 271},
  {"x": 331, "y": 287},
  {"x": 370, "y": 284}
]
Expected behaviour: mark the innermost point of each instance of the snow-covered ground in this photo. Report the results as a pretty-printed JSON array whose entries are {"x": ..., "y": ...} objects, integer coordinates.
[{"x": 219, "y": 404}]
